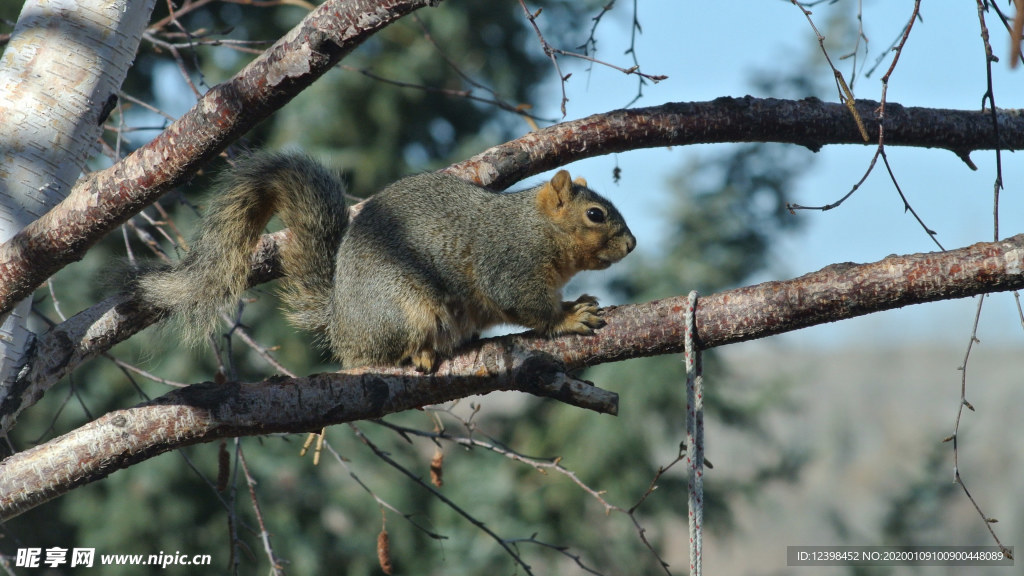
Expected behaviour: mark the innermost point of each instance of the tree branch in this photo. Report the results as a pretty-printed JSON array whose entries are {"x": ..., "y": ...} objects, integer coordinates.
[
  {"x": 204, "y": 412},
  {"x": 836, "y": 292},
  {"x": 809, "y": 122}
]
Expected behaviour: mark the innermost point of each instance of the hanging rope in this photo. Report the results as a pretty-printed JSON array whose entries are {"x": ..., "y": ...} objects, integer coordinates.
[{"x": 694, "y": 435}]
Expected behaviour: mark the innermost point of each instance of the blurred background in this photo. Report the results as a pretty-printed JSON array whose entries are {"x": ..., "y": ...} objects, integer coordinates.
[{"x": 831, "y": 435}]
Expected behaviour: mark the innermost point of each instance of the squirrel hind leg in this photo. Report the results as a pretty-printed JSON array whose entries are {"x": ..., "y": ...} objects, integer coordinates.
[
  {"x": 394, "y": 331},
  {"x": 433, "y": 334},
  {"x": 425, "y": 360}
]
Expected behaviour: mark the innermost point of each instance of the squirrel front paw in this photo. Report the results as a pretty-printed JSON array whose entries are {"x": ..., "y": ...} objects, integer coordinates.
[{"x": 581, "y": 316}]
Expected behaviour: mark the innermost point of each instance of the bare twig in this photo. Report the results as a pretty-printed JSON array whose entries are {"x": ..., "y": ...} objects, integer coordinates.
[
  {"x": 495, "y": 100},
  {"x": 447, "y": 501},
  {"x": 563, "y": 550},
  {"x": 590, "y": 45},
  {"x": 1020, "y": 312},
  {"x": 955, "y": 437},
  {"x": 275, "y": 564},
  {"x": 990, "y": 97},
  {"x": 186, "y": 7},
  {"x": 855, "y": 51},
  {"x": 548, "y": 51},
  {"x": 539, "y": 464},
  {"x": 843, "y": 87},
  {"x": 553, "y": 53},
  {"x": 384, "y": 504},
  {"x": 846, "y": 96}
]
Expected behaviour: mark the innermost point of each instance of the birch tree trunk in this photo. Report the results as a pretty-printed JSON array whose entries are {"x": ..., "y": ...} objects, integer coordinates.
[{"x": 59, "y": 77}]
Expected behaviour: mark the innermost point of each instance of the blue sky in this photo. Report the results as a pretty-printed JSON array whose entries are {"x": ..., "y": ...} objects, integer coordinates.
[{"x": 711, "y": 49}]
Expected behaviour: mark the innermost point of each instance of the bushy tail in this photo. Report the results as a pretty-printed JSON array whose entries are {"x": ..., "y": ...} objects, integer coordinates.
[{"x": 310, "y": 201}]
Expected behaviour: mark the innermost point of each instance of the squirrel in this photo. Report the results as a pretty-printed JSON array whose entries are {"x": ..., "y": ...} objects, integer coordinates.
[{"x": 429, "y": 261}]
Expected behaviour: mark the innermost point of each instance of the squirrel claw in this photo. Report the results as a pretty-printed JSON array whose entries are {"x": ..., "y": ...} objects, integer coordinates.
[
  {"x": 425, "y": 361},
  {"x": 582, "y": 316}
]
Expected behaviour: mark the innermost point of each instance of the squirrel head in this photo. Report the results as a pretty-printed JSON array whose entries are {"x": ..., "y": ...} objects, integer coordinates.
[{"x": 591, "y": 233}]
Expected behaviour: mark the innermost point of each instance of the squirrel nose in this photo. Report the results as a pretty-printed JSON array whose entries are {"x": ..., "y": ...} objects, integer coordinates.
[{"x": 630, "y": 242}]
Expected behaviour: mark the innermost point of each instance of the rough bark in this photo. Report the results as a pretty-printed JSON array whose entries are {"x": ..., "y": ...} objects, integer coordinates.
[
  {"x": 205, "y": 412},
  {"x": 810, "y": 122}
]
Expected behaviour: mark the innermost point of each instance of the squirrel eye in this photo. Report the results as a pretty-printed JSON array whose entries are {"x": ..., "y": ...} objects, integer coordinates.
[{"x": 596, "y": 215}]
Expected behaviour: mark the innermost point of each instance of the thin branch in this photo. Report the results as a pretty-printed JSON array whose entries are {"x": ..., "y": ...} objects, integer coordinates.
[
  {"x": 444, "y": 499},
  {"x": 543, "y": 465},
  {"x": 553, "y": 53},
  {"x": 548, "y": 51},
  {"x": 847, "y": 96},
  {"x": 635, "y": 29},
  {"x": 380, "y": 501},
  {"x": 906, "y": 203},
  {"x": 845, "y": 92},
  {"x": 793, "y": 207},
  {"x": 563, "y": 550},
  {"x": 186, "y": 7},
  {"x": 539, "y": 464},
  {"x": 495, "y": 100},
  {"x": 892, "y": 46},
  {"x": 1020, "y": 310},
  {"x": 881, "y": 122},
  {"x": 275, "y": 565},
  {"x": 990, "y": 96},
  {"x": 590, "y": 45},
  {"x": 634, "y": 69},
  {"x": 680, "y": 456},
  {"x": 861, "y": 35}
]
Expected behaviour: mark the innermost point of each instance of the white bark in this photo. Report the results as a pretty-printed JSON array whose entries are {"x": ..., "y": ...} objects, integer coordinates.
[{"x": 65, "y": 60}]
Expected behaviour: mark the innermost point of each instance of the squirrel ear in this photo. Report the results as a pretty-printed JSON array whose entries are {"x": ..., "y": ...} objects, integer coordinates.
[
  {"x": 580, "y": 181},
  {"x": 562, "y": 184},
  {"x": 555, "y": 193}
]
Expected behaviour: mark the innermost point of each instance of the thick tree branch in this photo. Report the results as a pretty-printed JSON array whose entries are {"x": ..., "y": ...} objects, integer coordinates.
[
  {"x": 205, "y": 412},
  {"x": 109, "y": 197},
  {"x": 106, "y": 198},
  {"x": 811, "y": 123},
  {"x": 836, "y": 292}
]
